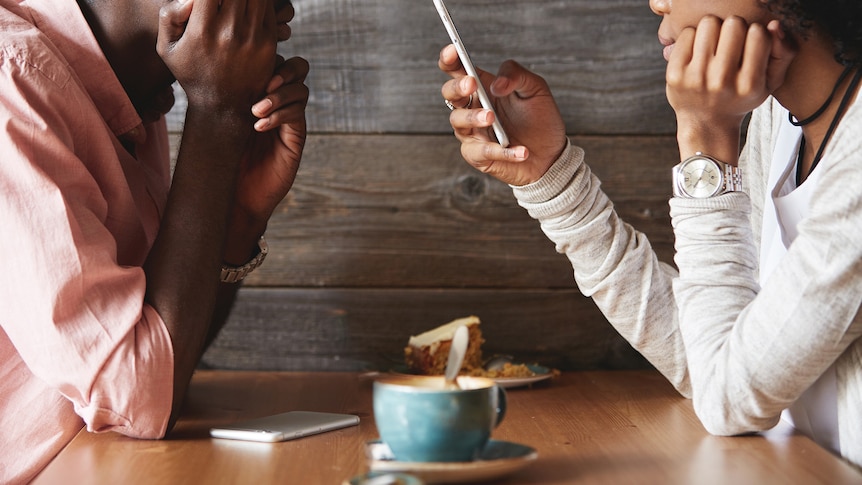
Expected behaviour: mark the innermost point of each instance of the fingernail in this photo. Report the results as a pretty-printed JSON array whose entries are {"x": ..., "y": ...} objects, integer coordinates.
[
  {"x": 261, "y": 125},
  {"x": 500, "y": 84},
  {"x": 262, "y": 107}
]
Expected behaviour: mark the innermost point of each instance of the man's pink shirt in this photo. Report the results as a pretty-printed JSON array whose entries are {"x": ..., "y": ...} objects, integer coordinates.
[{"x": 78, "y": 216}]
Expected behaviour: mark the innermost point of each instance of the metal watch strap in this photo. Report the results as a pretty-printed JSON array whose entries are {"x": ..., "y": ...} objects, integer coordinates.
[
  {"x": 732, "y": 176},
  {"x": 231, "y": 274}
]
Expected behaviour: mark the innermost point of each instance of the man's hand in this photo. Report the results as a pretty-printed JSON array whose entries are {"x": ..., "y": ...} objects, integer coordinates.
[
  {"x": 222, "y": 52},
  {"x": 272, "y": 160}
]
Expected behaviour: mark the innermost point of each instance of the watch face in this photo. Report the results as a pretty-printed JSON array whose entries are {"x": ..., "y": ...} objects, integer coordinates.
[{"x": 701, "y": 177}]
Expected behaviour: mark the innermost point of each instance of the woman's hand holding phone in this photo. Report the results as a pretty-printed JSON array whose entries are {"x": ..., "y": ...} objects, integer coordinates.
[
  {"x": 467, "y": 64},
  {"x": 525, "y": 106}
]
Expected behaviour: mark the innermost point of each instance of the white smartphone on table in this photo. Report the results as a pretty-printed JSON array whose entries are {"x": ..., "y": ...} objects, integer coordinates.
[
  {"x": 285, "y": 426},
  {"x": 484, "y": 100}
]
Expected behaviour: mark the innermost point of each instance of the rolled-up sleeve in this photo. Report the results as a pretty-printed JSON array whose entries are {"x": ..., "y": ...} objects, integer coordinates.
[
  {"x": 132, "y": 393},
  {"x": 78, "y": 216}
]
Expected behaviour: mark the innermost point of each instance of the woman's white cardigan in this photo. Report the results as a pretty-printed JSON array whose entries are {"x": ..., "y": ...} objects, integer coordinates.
[{"x": 742, "y": 352}]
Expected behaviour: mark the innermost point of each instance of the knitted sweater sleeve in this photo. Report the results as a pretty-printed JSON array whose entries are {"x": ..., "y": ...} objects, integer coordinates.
[
  {"x": 613, "y": 263},
  {"x": 754, "y": 348},
  {"x": 743, "y": 352}
]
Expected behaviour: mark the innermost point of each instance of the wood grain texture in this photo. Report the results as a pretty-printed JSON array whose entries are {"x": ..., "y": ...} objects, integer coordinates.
[
  {"x": 611, "y": 427},
  {"x": 388, "y": 232},
  {"x": 407, "y": 211},
  {"x": 367, "y": 329},
  {"x": 386, "y": 236},
  {"x": 374, "y": 62}
]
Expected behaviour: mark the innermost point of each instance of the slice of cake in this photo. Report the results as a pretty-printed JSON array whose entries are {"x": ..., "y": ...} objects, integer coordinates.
[{"x": 427, "y": 353}]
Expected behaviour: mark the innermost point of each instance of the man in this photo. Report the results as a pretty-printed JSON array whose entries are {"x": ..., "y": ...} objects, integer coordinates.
[{"x": 114, "y": 269}]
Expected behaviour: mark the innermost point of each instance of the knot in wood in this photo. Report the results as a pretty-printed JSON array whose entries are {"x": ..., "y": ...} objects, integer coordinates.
[{"x": 471, "y": 187}]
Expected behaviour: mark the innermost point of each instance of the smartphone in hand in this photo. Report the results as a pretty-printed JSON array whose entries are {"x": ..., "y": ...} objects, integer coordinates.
[
  {"x": 285, "y": 426},
  {"x": 485, "y": 101}
]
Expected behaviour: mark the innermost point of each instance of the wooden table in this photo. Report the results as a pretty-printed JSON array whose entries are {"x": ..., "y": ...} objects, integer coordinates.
[{"x": 613, "y": 427}]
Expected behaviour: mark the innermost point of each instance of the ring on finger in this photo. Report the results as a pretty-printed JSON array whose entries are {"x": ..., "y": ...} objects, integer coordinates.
[{"x": 452, "y": 106}]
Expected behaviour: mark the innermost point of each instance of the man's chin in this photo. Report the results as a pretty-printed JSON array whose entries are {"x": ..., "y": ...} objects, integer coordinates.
[{"x": 157, "y": 107}]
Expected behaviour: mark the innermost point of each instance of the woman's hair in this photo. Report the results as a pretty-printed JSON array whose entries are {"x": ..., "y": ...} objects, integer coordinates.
[{"x": 841, "y": 20}]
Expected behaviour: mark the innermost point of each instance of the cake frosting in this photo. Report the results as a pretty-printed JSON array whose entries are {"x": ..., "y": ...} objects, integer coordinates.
[{"x": 428, "y": 352}]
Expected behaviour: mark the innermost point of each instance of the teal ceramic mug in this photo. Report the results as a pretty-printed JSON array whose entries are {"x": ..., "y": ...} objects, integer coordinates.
[{"x": 423, "y": 421}]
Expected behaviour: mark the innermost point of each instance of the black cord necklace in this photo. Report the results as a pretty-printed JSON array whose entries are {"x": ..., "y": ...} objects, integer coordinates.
[
  {"x": 845, "y": 100},
  {"x": 795, "y": 122}
]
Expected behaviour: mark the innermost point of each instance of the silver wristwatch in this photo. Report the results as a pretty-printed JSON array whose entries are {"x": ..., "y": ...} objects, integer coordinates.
[
  {"x": 702, "y": 177},
  {"x": 231, "y": 274}
]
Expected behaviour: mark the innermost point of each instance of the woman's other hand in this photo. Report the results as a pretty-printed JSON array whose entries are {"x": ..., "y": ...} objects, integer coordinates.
[{"x": 717, "y": 73}]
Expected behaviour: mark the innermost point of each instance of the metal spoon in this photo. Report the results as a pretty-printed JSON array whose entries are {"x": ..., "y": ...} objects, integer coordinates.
[
  {"x": 498, "y": 362},
  {"x": 456, "y": 356}
]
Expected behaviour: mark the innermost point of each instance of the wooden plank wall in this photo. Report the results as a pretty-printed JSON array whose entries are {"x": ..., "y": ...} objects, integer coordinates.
[{"x": 388, "y": 232}]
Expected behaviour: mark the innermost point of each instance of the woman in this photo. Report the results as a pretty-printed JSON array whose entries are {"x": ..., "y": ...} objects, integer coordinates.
[{"x": 762, "y": 318}]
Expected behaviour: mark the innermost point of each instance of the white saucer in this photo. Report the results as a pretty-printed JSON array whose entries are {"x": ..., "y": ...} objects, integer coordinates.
[
  {"x": 499, "y": 458},
  {"x": 541, "y": 372},
  {"x": 386, "y": 478}
]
